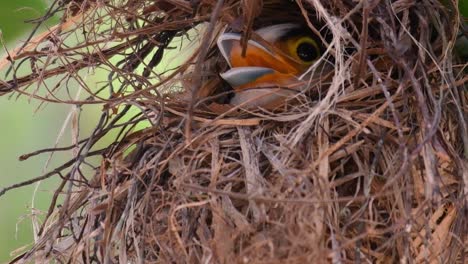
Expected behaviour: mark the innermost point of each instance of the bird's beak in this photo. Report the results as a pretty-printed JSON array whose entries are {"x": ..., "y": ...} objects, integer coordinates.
[{"x": 261, "y": 63}]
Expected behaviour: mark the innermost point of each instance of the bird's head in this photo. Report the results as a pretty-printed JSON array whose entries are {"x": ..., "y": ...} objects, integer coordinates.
[{"x": 270, "y": 65}]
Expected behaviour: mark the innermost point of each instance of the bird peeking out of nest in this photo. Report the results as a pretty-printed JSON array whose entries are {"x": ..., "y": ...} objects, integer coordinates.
[{"x": 272, "y": 67}]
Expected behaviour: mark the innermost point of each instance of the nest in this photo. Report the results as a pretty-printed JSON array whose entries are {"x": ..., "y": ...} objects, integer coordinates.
[{"x": 368, "y": 165}]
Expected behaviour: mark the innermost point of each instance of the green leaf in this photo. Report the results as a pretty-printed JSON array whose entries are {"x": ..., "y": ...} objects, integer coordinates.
[{"x": 463, "y": 6}]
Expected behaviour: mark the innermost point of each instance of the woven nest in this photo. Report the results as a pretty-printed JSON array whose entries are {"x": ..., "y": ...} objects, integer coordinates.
[{"x": 367, "y": 165}]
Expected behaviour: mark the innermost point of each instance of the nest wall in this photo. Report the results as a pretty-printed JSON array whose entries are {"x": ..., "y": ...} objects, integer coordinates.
[{"x": 369, "y": 164}]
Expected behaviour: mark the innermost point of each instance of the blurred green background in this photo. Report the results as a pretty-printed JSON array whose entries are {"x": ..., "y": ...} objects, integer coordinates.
[
  {"x": 26, "y": 126},
  {"x": 23, "y": 130}
]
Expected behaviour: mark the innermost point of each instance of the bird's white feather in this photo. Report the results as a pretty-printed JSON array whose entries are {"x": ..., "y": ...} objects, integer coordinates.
[{"x": 275, "y": 32}]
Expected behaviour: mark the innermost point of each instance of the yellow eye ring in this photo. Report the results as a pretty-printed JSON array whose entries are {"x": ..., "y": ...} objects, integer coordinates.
[{"x": 305, "y": 50}]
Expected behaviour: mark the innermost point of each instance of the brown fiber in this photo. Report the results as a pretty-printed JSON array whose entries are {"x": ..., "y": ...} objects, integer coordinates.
[{"x": 370, "y": 165}]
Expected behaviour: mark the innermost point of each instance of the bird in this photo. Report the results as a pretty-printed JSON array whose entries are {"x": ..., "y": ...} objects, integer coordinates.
[{"x": 272, "y": 66}]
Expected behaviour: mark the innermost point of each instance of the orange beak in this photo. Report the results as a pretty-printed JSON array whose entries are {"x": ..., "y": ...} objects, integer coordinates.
[
  {"x": 261, "y": 66},
  {"x": 264, "y": 76}
]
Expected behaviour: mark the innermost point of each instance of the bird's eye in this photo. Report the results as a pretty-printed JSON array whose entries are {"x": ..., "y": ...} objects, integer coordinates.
[{"x": 307, "y": 50}]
